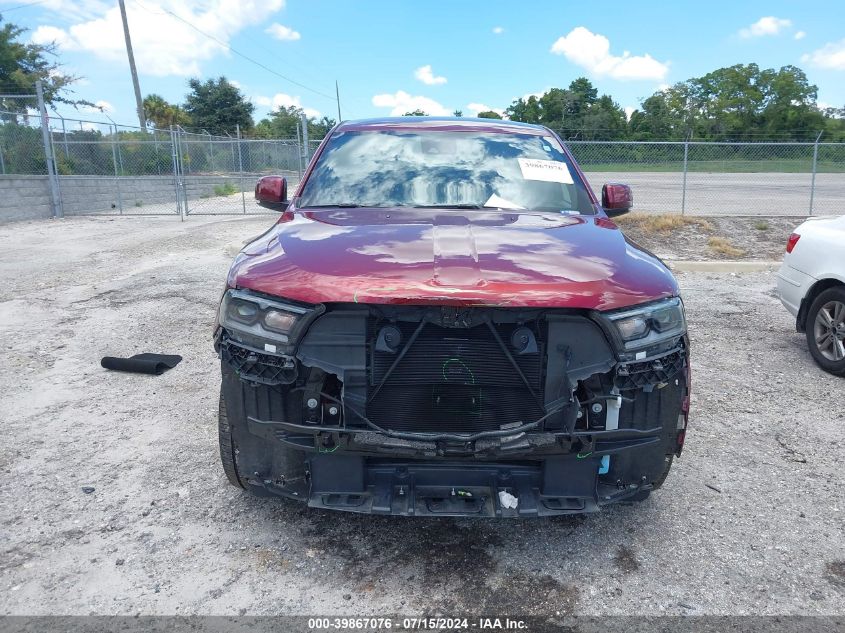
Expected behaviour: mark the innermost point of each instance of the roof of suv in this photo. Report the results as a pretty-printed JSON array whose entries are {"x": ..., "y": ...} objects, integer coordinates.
[{"x": 444, "y": 124}]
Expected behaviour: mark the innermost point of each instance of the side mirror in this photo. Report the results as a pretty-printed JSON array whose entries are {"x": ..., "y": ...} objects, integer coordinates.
[
  {"x": 616, "y": 199},
  {"x": 271, "y": 192}
]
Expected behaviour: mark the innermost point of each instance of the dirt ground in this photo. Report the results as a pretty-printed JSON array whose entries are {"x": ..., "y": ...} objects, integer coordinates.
[
  {"x": 750, "y": 520},
  {"x": 696, "y": 237}
]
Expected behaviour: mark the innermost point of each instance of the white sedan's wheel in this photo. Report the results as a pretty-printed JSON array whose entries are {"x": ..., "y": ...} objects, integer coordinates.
[
  {"x": 826, "y": 330},
  {"x": 830, "y": 330}
]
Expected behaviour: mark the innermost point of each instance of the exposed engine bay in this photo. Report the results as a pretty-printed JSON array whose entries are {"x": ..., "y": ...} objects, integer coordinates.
[{"x": 441, "y": 409}]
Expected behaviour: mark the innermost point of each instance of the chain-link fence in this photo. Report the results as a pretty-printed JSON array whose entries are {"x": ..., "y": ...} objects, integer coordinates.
[
  {"x": 107, "y": 168},
  {"x": 218, "y": 174},
  {"x": 104, "y": 168},
  {"x": 717, "y": 178}
]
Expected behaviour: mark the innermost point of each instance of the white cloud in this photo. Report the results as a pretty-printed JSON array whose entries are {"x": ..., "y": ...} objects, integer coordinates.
[
  {"x": 629, "y": 110},
  {"x": 769, "y": 25},
  {"x": 163, "y": 45},
  {"x": 401, "y": 102},
  {"x": 426, "y": 75},
  {"x": 592, "y": 51},
  {"x": 830, "y": 56},
  {"x": 475, "y": 108},
  {"x": 282, "y": 32},
  {"x": 280, "y": 99},
  {"x": 49, "y": 34},
  {"x": 498, "y": 30},
  {"x": 800, "y": 35}
]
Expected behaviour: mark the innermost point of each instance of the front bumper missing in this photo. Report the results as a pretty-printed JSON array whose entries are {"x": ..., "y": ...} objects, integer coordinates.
[
  {"x": 321, "y": 438},
  {"x": 556, "y": 486},
  {"x": 556, "y": 473}
]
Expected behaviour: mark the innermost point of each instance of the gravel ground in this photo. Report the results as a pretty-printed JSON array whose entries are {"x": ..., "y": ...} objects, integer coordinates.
[
  {"x": 757, "y": 238},
  {"x": 749, "y": 522}
]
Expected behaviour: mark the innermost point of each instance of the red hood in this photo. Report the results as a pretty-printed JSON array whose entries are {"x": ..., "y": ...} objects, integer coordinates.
[{"x": 451, "y": 257}]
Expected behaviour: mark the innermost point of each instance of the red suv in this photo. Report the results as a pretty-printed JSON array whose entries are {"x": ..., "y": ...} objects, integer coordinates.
[{"x": 444, "y": 321}]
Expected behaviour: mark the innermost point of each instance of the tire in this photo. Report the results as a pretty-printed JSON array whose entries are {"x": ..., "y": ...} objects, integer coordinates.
[
  {"x": 829, "y": 356},
  {"x": 227, "y": 447}
]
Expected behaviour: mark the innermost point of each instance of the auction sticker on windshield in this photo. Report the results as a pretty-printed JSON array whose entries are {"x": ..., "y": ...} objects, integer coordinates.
[{"x": 545, "y": 170}]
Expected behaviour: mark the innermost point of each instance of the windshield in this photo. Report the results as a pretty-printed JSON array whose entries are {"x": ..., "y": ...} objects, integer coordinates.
[{"x": 465, "y": 169}]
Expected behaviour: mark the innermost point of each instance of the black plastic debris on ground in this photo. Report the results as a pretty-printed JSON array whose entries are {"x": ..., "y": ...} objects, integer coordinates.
[{"x": 142, "y": 363}]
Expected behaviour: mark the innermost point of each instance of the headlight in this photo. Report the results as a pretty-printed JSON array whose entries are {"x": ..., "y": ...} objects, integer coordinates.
[
  {"x": 279, "y": 321},
  {"x": 258, "y": 318},
  {"x": 650, "y": 324}
]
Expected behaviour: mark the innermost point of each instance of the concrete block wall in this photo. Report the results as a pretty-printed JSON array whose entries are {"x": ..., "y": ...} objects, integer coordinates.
[
  {"x": 24, "y": 198},
  {"x": 98, "y": 194},
  {"x": 28, "y": 197}
]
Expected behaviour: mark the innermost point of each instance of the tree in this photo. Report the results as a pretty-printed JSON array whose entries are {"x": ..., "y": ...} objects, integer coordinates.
[
  {"x": 524, "y": 110},
  {"x": 416, "y": 112},
  {"x": 458, "y": 113},
  {"x": 163, "y": 114},
  {"x": 603, "y": 120},
  {"x": 489, "y": 114},
  {"x": 218, "y": 106},
  {"x": 286, "y": 121},
  {"x": 656, "y": 120},
  {"x": 22, "y": 64},
  {"x": 739, "y": 103},
  {"x": 576, "y": 112}
]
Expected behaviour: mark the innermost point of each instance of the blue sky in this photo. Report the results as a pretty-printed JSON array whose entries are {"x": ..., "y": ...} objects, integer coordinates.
[{"x": 393, "y": 56}]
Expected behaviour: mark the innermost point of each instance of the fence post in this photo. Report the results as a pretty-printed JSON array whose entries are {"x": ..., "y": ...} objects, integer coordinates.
[
  {"x": 304, "y": 139},
  {"x": 175, "y": 158},
  {"x": 114, "y": 162},
  {"x": 52, "y": 173},
  {"x": 210, "y": 150},
  {"x": 684, "y": 186},
  {"x": 815, "y": 166},
  {"x": 240, "y": 166},
  {"x": 299, "y": 150},
  {"x": 64, "y": 137}
]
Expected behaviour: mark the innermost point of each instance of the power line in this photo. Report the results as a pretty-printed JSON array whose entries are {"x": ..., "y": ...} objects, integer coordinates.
[
  {"x": 238, "y": 53},
  {"x": 23, "y": 6}
]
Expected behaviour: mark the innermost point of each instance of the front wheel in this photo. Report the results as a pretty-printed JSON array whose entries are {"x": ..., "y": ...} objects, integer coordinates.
[{"x": 826, "y": 330}]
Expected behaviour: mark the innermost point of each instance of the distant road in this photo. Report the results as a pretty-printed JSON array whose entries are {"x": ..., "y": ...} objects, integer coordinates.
[{"x": 730, "y": 194}]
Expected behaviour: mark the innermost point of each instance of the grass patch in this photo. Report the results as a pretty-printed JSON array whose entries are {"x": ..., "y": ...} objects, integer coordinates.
[
  {"x": 723, "y": 246},
  {"x": 226, "y": 189},
  {"x": 662, "y": 224},
  {"x": 761, "y": 225}
]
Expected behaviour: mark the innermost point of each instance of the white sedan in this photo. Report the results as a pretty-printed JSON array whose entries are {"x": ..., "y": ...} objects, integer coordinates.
[{"x": 811, "y": 284}]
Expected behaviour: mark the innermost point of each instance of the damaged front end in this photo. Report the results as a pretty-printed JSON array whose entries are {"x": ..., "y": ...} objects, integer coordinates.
[{"x": 445, "y": 410}]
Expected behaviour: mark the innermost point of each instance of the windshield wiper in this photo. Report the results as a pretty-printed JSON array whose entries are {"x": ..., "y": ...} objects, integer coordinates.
[
  {"x": 448, "y": 206},
  {"x": 341, "y": 205}
]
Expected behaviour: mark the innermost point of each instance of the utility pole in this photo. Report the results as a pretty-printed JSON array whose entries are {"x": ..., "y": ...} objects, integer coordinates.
[
  {"x": 337, "y": 93},
  {"x": 142, "y": 119}
]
